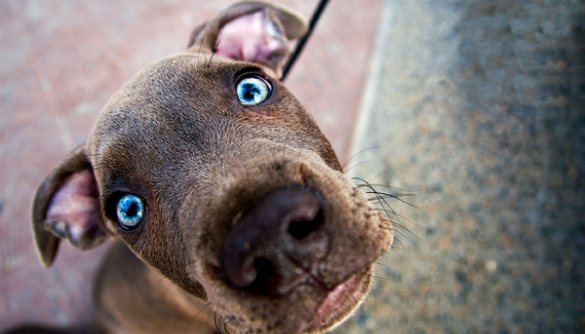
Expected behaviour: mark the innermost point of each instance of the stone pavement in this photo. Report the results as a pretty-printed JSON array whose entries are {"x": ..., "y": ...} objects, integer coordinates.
[
  {"x": 478, "y": 108},
  {"x": 471, "y": 111}
]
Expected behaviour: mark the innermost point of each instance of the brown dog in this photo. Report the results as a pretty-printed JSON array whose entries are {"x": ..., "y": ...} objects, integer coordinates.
[{"x": 231, "y": 207}]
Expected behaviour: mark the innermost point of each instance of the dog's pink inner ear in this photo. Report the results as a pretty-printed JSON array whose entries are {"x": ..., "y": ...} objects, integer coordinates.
[
  {"x": 255, "y": 37},
  {"x": 74, "y": 211}
]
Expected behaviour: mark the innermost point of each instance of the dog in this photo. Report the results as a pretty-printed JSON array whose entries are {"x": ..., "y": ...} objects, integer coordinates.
[{"x": 228, "y": 207}]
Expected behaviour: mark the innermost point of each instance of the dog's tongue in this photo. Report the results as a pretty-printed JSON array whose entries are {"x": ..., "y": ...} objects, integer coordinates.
[{"x": 252, "y": 37}]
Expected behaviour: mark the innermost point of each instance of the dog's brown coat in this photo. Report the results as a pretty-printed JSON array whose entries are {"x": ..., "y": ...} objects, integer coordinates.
[{"x": 177, "y": 136}]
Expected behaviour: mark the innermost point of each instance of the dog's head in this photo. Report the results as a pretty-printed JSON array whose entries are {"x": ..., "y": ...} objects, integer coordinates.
[{"x": 208, "y": 168}]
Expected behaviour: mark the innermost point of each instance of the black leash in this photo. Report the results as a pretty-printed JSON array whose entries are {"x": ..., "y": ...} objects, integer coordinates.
[{"x": 301, "y": 44}]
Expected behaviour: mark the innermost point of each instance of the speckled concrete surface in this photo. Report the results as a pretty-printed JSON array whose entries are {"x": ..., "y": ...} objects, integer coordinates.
[{"x": 477, "y": 107}]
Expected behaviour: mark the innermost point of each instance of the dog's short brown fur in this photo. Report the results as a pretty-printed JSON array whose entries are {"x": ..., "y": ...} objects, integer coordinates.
[{"x": 209, "y": 169}]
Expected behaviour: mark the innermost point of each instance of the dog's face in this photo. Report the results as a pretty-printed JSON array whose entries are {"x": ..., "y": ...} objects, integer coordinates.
[{"x": 214, "y": 174}]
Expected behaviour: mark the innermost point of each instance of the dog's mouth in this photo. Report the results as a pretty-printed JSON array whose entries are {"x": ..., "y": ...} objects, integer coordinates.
[
  {"x": 296, "y": 312},
  {"x": 295, "y": 257},
  {"x": 340, "y": 303}
]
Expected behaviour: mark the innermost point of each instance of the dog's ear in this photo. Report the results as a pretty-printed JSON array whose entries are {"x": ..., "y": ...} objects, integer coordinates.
[
  {"x": 66, "y": 206},
  {"x": 252, "y": 31}
]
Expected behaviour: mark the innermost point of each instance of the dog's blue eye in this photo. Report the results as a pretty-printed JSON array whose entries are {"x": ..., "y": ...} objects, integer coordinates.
[
  {"x": 130, "y": 211},
  {"x": 253, "y": 91}
]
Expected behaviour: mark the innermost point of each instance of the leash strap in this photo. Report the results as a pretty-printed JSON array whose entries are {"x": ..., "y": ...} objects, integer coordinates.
[{"x": 301, "y": 44}]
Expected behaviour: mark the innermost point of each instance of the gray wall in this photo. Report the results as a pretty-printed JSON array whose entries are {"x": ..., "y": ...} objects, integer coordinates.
[{"x": 477, "y": 107}]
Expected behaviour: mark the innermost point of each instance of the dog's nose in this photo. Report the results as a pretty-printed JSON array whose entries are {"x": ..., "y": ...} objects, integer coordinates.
[{"x": 277, "y": 244}]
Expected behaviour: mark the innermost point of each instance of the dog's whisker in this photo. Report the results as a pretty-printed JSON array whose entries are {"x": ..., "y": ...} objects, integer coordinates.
[
  {"x": 397, "y": 196},
  {"x": 385, "y": 197},
  {"x": 397, "y": 222},
  {"x": 400, "y": 230},
  {"x": 391, "y": 195},
  {"x": 392, "y": 217},
  {"x": 225, "y": 328},
  {"x": 381, "y": 197},
  {"x": 381, "y": 185},
  {"x": 199, "y": 52},
  {"x": 346, "y": 171},
  {"x": 384, "y": 206},
  {"x": 384, "y": 278},
  {"x": 397, "y": 227},
  {"x": 196, "y": 316},
  {"x": 210, "y": 59},
  {"x": 375, "y": 299},
  {"x": 221, "y": 324},
  {"x": 216, "y": 46},
  {"x": 354, "y": 156},
  {"x": 215, "y": 322},
  {"x": 381, "y": 264}
]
